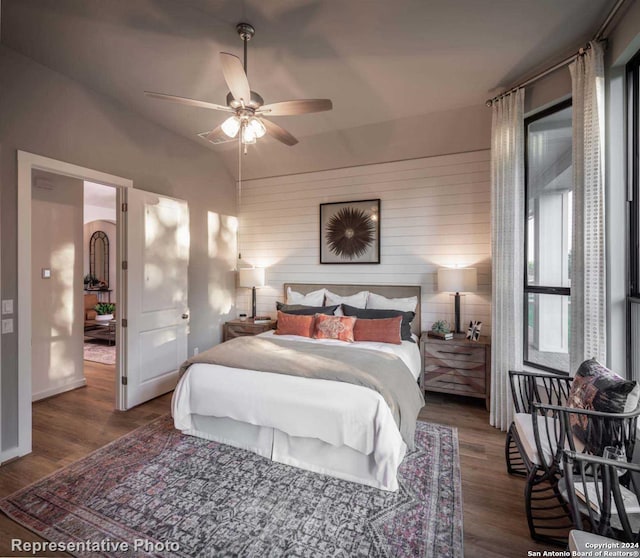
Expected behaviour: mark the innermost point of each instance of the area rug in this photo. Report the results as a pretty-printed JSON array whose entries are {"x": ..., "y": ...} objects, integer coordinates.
[
  {"x": 99, "y": 351},
  {"x": 156, "y": 492}
]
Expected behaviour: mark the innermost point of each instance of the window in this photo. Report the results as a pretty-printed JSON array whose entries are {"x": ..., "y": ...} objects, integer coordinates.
[
  {"x": 633, "y": 173},
  {"x": 548, "y": 237}
]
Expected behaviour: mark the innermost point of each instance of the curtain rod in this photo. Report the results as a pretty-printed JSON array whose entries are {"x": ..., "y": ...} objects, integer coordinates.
[{"x": 597, "y": 37}]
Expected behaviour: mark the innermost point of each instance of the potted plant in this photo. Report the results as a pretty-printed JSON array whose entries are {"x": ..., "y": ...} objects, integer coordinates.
[{"x": 105, "y": 311}]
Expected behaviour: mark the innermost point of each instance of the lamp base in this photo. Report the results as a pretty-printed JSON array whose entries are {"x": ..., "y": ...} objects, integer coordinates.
[{"x": 253, "y": 303}]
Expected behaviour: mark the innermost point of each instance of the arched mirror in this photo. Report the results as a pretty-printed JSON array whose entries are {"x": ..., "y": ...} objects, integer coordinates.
[{"x": 99, "y": 258}]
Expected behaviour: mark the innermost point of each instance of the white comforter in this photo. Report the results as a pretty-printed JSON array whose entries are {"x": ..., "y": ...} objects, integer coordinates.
[{"x": 337, "y": 413}]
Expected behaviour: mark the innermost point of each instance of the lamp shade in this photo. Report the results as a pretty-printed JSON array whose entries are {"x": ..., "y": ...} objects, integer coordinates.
[
  {"x": 457, "y": 279},
  {"x": 251, "y": 277}
]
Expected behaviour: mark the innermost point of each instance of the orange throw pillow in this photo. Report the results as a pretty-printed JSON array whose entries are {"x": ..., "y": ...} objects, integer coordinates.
[
  {"x": 383, "y": 330},
  {"x": 334, "y": 327},
  {"x": 293, "y": 324}
]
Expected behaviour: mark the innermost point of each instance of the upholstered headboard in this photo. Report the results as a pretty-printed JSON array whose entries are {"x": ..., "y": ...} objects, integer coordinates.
[{"x": 390, "y": 291}]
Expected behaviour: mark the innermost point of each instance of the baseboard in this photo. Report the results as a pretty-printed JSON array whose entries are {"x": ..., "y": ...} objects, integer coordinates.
[
  {"x": 9, "y": 455},
  {"x": 75, "y": 384}
]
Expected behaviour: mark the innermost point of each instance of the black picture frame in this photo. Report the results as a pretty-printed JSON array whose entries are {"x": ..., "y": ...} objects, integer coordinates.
[{"x": 350, "y": 232}]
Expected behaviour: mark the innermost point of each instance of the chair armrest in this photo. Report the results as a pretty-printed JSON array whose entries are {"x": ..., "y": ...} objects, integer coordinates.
[
  {"x": 588, "y": 458},
  {"x": 587, "y": 412}
]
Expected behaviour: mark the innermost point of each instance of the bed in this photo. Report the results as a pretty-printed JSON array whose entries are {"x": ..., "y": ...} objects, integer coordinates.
[{"x": 330, "y": 427}]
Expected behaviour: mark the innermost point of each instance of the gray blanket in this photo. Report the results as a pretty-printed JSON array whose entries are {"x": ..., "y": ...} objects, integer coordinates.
[{"x": 382, "y": 372}]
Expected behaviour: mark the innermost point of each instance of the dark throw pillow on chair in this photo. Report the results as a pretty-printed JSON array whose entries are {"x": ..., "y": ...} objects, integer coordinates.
[{"x": 597, "y": 388}]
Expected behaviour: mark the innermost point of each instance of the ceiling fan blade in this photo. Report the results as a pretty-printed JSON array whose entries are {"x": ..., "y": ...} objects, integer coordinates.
[
  {"x": 235, "y": 77},
  {"x": 216, "y": 136},
  {"x": 300, "y": 106},
  {"x": 278, "y": 132},
  {"x": 187, "y": 101}
]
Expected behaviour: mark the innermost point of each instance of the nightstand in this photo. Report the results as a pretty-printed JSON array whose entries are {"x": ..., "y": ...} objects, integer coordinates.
[
  {"x": 238, "y": 328},
  {"x": 457, "y": 366}
]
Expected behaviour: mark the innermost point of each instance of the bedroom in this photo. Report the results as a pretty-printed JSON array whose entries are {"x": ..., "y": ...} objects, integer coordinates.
[{"x": 73, "y": 92}]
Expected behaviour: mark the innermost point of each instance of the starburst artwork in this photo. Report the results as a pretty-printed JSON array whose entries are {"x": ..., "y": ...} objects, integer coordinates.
[{"x": 350, "y": 232}]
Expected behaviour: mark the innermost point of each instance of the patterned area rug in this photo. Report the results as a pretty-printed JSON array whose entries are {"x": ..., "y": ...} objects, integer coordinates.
[
  {"x": 175, "y": 495},
  {"x": 99, "y": 351}
]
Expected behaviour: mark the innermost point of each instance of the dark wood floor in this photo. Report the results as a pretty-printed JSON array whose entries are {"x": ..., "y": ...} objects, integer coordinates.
[{"x": 69, "y": 426}]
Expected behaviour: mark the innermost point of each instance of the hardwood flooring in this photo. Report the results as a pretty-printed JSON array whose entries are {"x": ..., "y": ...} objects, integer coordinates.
[{"x": 71, "y": 425}]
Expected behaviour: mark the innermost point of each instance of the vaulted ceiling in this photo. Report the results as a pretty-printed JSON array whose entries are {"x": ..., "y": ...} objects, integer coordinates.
[{"x": 378, "y": 60}]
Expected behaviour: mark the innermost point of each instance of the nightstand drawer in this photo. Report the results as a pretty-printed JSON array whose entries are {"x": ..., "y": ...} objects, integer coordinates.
[
  {"x": 455, "y": 381},
  {"x": 454, "y": 352},
  {"x": 476, "y": 369}
]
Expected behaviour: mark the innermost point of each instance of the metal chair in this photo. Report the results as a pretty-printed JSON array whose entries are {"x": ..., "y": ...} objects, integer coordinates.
[
  {"x": 603, "y": 496},
  {"x": 537, "y": 438},
  {"x": 528, "y": 388}
]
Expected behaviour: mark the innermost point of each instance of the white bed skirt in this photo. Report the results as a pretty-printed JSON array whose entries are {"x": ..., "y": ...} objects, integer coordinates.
[{"x": 310, "y": 454}]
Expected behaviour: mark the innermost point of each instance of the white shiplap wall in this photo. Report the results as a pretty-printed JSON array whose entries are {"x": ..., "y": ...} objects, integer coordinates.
[{"x": 434, "y": 211}]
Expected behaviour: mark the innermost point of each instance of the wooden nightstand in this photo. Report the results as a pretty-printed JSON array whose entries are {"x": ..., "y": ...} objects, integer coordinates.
[
  {"x": 457, "y": 366},
  {"x": 238, "y": 328}
]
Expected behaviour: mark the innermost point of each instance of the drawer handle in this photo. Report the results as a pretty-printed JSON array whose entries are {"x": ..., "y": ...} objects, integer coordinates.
[{"x": 455, "y": 353}]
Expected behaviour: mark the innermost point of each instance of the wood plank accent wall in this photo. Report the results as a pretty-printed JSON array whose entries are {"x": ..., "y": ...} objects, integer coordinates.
[{"x": 435, "y": 211}]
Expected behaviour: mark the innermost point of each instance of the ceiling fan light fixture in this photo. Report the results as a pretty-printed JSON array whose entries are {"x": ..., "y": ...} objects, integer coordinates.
[
  {"x": 257, "y": 127},
  {"x": 231, "y": 126},
  {"x": 248, "y": 134}
]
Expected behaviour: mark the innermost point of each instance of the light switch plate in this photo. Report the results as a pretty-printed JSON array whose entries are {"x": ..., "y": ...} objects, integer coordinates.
[
  {"x": 46, "y": 273},
  {"x": 7, "y": 306},
  {"x": 7, "y": 326}
]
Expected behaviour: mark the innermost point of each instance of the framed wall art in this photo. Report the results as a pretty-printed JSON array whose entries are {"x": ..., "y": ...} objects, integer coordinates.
[
  {"x": 473, "y": 333},
  {"x": 350, "y": 232}
]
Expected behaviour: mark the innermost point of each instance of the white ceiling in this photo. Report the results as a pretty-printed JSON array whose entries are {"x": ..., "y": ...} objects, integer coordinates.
[{"x": 378, "y": 60}]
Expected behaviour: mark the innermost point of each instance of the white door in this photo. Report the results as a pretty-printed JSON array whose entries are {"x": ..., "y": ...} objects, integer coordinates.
[{"x": 157, "y": 255}]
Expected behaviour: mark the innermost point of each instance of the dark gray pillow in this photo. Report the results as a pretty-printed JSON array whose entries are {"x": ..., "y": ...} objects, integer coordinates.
[
  {"x": 375, "y": 314},
  {"x": 302, "y": 310}
]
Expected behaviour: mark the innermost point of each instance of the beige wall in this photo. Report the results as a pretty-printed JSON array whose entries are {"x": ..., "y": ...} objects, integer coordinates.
[
  {"x": 45, "y": 113},
  {"x": 434, "y": 212},
  {"x": 57, "y": 306}
]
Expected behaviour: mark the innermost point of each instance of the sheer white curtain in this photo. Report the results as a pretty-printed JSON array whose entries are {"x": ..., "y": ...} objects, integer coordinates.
[
  {"x": 588, "y": 271},
  {"x": 507, "y": 247}
]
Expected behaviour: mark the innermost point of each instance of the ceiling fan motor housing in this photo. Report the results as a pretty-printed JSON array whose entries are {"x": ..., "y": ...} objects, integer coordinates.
[
  {"x": 246, "y": 31},
  {"x": 256, "y": 101}
]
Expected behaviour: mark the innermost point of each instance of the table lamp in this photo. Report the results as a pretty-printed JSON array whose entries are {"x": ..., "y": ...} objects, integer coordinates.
[
  {"x": 457, "y": 280},
  {"x": 251, "y": 278}
]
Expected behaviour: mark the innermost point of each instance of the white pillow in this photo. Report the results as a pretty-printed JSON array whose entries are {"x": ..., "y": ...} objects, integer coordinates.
[
  {"x": 315, "y": 298},
  {"x": 379, "y": 302},
  {"x": 358, "y": 300}
]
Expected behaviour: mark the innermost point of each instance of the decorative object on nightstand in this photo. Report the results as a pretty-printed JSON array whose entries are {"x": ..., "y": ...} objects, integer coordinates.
[
  {"x": 441, "y": 330},
  {"x": 456, "y": 366},
  {"x": 457, "y": 280},
  {"x": 473, "y": 333},
  {"x": 242, "y": 328},
  {"x": 251, "y": 278}
]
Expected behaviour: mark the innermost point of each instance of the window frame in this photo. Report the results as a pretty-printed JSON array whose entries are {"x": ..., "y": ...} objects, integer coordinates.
[
  {"x": 632, "y": 121},
  {"x": 535, "y": 289},
  {"x": 633, "y": 172}
]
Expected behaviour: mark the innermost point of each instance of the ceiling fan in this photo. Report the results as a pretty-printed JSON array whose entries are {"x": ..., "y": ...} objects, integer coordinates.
[{"x": 247, "y": 107}]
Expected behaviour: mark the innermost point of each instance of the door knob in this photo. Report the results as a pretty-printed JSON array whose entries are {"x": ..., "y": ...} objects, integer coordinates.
[{"x": 185, "y": 316}]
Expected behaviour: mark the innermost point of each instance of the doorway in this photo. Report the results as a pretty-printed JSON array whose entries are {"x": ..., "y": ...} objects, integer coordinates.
[
  {"x": 100, "y": 284},
  {"x": 152, "y": 258},
  {"x": 28, "y": 165}
]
